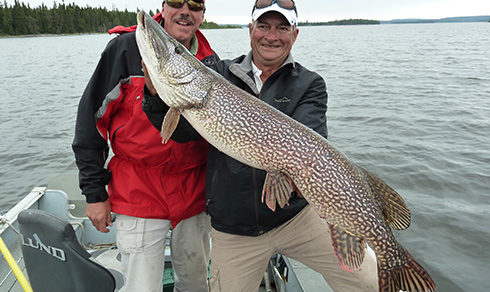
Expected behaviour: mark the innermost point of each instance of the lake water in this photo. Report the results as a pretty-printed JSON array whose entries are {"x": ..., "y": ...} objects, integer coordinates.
[{"x": 411, "y": 103}]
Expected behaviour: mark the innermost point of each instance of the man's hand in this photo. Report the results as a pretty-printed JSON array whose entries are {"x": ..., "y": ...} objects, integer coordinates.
[
  {"x": 100, "y": 215},
  {"x": 148, "y": 82}
]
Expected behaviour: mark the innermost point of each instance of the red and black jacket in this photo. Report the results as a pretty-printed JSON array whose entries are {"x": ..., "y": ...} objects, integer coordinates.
[{"x": 145, "y": 178}]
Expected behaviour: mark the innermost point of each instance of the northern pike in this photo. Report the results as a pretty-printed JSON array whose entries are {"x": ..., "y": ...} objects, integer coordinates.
[{"x": 358, "y": 207}]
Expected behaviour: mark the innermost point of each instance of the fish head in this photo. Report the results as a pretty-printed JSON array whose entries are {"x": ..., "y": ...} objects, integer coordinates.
[{"x": 179, "y": 78}]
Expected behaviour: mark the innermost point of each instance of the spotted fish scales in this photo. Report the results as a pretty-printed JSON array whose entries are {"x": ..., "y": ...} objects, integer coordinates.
[{"x": 359, "y": 208}]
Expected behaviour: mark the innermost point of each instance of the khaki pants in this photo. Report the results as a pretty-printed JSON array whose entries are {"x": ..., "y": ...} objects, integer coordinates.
[
  {"x": 238, "y": 262},
  {"x": 142, "y": 245}
]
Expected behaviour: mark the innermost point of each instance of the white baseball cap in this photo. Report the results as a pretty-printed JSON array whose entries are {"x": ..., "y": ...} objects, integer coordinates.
[{"x": 290, "y": 14}]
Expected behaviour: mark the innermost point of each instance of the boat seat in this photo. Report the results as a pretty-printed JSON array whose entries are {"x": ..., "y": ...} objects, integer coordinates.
[{"x": 54, "y": 259}]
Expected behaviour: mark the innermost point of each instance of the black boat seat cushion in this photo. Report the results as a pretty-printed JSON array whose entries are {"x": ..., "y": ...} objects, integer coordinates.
[{"x": 54, "y": 259}]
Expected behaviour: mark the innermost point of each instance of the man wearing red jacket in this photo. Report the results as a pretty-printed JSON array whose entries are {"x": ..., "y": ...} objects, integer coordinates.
[{"x": 151, "y": 186}]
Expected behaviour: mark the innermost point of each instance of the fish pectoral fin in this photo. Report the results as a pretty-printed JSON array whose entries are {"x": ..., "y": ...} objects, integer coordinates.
[
  {"x": 277, "y": 189},
  {"x": 295, "y": 189},
  {"x": 349, "y": 249},
  {"x": 170, "y": 122},
  {"x": 392, "y": 205}
]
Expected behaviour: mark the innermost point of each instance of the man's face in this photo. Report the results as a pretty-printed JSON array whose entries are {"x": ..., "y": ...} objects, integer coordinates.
[
  {"x": 271, "y": 38},
  {"x": 182, "y": 23}
]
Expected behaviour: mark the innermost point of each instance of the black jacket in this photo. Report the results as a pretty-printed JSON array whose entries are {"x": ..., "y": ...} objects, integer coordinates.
[{"x": 233, "y": 189}]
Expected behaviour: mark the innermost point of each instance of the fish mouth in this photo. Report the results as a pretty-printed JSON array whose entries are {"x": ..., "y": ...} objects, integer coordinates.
[
  {"x": 141, "y": 19},
  {"x": 151, "y": 36}
]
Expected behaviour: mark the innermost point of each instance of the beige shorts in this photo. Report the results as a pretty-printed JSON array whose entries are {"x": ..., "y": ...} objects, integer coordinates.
[{"x": 238, "y": 262}]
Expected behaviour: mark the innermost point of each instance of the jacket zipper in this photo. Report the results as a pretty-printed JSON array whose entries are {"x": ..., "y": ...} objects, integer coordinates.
[
  {"x": 114, "y": 134},
  {"x": 255, "y": 186},
  {"x": 260, "y": 229}
]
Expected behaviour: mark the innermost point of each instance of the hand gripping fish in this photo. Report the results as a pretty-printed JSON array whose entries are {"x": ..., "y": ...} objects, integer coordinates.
[{"x": 359, "y": 208}]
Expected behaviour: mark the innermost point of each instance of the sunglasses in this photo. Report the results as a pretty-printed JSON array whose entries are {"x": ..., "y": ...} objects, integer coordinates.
[
  {"x": 286, "y": 4},
  {"x": 194, "y": 5}
]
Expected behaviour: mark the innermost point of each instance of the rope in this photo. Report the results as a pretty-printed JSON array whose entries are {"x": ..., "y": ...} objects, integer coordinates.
[{"x": 15, "y": 268}]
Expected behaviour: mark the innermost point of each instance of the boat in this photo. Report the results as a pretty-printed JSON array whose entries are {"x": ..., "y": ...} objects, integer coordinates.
[{"x": 49, "y": 244}]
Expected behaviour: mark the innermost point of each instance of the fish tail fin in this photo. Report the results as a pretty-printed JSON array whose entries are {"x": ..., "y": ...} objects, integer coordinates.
[{"x": 410, "y": 277}]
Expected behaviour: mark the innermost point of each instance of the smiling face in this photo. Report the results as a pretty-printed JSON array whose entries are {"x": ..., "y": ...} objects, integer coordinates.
[
  {"x": 182, "y": 23},
  {"x": 271, "y": 38}
]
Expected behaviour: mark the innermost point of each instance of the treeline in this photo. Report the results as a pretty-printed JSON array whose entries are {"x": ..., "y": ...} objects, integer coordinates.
[
  {"x": 213, "y": 25},
  {"x": 21, "y": 19},
  {"x": 341, "y": 22}
]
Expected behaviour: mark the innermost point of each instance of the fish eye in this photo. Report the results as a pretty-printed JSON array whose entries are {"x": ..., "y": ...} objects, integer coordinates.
[{"x": 178, "y": 50}]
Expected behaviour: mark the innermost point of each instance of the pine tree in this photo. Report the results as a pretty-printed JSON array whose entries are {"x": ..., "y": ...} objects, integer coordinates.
[
  {"x": 1, "y": 19},
  {"x": 7, "y": 20}
]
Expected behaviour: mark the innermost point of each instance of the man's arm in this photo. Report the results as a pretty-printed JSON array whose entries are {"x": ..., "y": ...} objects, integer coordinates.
[
  {"x": 100, "y": 215},
  {"x": 89, "y": 145}
]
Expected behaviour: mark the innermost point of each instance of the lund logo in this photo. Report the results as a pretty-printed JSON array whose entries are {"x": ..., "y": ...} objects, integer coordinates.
[{"x": 53, "y": 251}]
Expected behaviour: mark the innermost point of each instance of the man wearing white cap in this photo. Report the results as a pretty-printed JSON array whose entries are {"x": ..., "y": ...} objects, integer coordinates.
[{"x": 245, "y": 231}]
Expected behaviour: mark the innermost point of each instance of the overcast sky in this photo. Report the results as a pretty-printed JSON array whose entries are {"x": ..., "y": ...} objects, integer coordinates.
[{"x": 238, "y": 11}]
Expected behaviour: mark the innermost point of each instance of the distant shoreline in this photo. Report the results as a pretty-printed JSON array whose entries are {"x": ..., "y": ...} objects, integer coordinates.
[
  {"x": 49, "y": 35},
  {"x": 341, "y": 22},
  {"x": 236, "y": 26},
  {"x": 2, "y": 36},
  {"x": 458, "y": 19}
]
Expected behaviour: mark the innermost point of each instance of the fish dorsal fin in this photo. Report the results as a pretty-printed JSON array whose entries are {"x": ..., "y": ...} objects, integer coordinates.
[
  {"x": 392, "y": 205},
  {"x": 349, "y": 249},
  {"x": 277, "y": 189}
]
